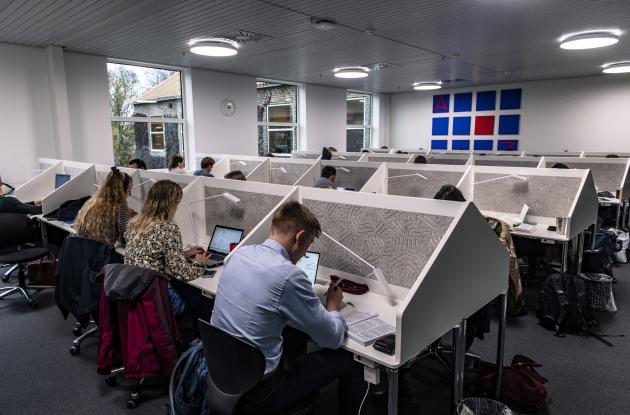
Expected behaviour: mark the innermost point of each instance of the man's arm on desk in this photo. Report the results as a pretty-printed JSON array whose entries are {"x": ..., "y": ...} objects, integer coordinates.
[{"x": 302, "y": 307}]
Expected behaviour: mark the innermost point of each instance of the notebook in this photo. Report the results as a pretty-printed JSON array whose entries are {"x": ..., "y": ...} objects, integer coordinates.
[{"x": 219, "y": 247}]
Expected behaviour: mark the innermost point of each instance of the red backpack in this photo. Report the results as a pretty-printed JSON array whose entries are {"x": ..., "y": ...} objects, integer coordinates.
[{"x": 521, "y": 385}]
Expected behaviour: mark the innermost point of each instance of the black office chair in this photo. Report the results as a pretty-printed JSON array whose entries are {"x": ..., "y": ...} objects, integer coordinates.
[
  {"x": 13, "y": 230},
  {"x": 234, "y": 367}
]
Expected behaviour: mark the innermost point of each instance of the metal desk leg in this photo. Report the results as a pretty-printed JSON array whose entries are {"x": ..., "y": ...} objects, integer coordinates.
[
  {"x": 43, "y": 227},
  {"x": 593, "y": 234},
  {"x": 578, "y": 262},
  {"x": 500, "y": 345},
  {"x": 624, "y": 221},
  {"x": 617, "y": 216},
  {"x": 459, "y": 356},
  {"x": 565, "y": 254},
  {"x": 392, "y": 391}
]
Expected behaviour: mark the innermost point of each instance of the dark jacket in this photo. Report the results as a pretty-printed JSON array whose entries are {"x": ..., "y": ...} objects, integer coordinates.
[
  {"x": 10, "y": 204},
  {"x": 140, "y": 333},
  {"x": 76, "y": 288}
]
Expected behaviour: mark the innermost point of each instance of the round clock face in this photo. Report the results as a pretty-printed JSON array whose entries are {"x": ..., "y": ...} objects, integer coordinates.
[{"x": 227, "y": 107}]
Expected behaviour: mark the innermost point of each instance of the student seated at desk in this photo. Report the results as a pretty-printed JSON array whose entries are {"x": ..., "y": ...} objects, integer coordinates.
[
  {"x": 327, "y": 179},
  {"x": 326, "y": 154},
  {"x": 235, "y": 175},
  {"x": 420, "y": 159},
  {"x": 105, "y": 215},
  {"x": 154, "y": 241},
  {"x": 10, "y": 204},
  {"x": 137, "y": 164},
  {"x": 207, "y": 163},
  {"x": 449, "y": 192},
  {"x": 177, "y": 165},
  {"x": 278, "y": 292}
]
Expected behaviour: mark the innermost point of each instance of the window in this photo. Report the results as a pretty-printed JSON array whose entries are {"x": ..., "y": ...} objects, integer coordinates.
[
  {"x": 358, "y": 121},
  {"x": 277, "y": 117},
  {"x": 138, "y": 95}
]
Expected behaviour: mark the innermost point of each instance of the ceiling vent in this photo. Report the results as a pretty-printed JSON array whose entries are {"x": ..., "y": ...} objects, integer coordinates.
[
  {"x": 453, "y": 81},
  {"x": 323, "y": 24},
  {"x": 245, "y": 37},
  {"x": 382, "y": 65}
]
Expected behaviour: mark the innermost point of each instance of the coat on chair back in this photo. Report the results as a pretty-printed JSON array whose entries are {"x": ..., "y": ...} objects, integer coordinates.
[{"x": 137, "y": 328}]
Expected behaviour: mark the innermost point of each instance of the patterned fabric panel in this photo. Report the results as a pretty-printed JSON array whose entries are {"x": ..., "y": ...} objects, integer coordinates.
[
  {"x": 398, "y": 242},
  {"x": 415, "y": 186}
]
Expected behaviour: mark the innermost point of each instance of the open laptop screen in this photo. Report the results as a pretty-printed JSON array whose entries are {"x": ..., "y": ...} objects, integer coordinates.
[
  {"x": 222, "y": 237},
  {"x": 61, "y": 179},
  {"x": 309, "y": 264}
]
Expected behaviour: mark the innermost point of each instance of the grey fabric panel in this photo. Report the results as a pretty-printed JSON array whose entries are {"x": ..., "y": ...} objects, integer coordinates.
[
  {"x": 452, "y": 161},
  {"x": 606, "y": 176},
  {"x": 508, "y": 162},
  {"x": 508, "y": 195},
  {"x": 398, "y": 242},
  {"x": 247, "y": 168},
  {"x": 418, "y": 187},
  {"x": 379, "y": 159},
  {"x": 357, "y": 177},
  {"x": 294, "y": 172},
  {"x": 252, "y": 208}
]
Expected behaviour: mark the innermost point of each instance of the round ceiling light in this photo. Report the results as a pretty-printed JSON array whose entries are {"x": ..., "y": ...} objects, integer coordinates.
[
  {"x": 617, "y": 67},
  {"x": 589, "y": 40},
  {"x": 427, "y": 86},
  {"x": 213, "y": 47},
  {"x": 352, "y": 72}
]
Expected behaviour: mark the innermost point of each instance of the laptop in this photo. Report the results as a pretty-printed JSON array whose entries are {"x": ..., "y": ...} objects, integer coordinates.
[
  {"x": 219, "y": 247},
  {"x": 61, "y": 179},
  {"x": 309, "y": 264}
]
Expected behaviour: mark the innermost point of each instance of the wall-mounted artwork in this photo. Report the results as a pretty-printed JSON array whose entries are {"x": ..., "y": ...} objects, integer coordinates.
[{"x": 490, "y": 119}]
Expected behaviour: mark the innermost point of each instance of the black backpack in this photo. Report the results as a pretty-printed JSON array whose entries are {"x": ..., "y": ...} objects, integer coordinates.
[{"x": 563, "y": 306}]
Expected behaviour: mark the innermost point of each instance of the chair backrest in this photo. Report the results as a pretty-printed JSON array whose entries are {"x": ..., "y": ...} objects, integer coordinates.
[
  {"x": 234, "y": 367},
  {"x": 12, "y": 228}
]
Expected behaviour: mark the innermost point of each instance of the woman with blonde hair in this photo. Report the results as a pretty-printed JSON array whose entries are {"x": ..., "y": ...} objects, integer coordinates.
[
  {"x": 154, "y": 240},
  {"x": 105, "y": 215}
]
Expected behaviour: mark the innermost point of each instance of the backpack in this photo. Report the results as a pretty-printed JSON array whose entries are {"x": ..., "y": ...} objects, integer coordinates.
[
  {"x": 563, "y": 305},
  {"x": 601, "y": 259},
  {"x": 190, "y": 384}
]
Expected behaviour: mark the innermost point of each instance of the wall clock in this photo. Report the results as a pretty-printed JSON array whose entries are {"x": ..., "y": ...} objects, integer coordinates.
[{"x": 227, "y": 107}]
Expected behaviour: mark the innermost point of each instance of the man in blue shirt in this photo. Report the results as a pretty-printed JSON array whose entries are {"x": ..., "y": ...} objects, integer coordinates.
[
  {"x": 327, "y": 179},
  {"x": 207, "y": 163},
  {"x": 260, "y": 292}
]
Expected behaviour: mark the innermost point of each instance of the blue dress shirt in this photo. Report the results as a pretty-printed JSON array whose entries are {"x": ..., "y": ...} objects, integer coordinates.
[
  {"x": 261, "y": 291},
  {"x": 202, "y": 172}
]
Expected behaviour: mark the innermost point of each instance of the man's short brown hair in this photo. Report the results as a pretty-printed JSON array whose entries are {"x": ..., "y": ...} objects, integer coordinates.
[
  {"x": 207, "y": 162},
  {"x": 294, "y": 217}
]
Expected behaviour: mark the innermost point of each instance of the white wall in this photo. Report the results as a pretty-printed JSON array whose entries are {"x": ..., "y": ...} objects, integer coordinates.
[
  {"x": 589, "y": 114},
  {"x": 26, "y": 108},
  {"x": 213, "y": 132},
  {"x": 325, "y": 122},
  {"x": 88, "y": 103}
]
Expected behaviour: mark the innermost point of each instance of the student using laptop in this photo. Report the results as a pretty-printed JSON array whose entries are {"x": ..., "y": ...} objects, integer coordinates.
[
  {"x": 10, "y": 204},
  {"x": 207, "y": 163},
  {"x": 260, "y": 291},
  {"x": 327, "y": 179},
  {"x": 105, "y": 215},
  {"x": 154, "y": 240}
]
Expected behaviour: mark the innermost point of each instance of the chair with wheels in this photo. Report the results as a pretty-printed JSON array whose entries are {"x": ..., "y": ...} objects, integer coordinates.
[
  {"x": 13, "y": 232},
  {"x": 234, "y": 367}
]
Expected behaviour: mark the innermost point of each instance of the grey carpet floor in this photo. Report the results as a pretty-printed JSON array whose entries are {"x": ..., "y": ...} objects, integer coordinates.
[{"x": 39, "y": 376}]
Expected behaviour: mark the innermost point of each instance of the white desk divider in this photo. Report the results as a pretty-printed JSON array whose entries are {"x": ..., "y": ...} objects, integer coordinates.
[
  {"x": 260, "y": 173},
  {"x": 350, "y": 174},
  {"x": 43, "y": 184},
  {"x": 414, "y": 242},
  {"x": 231, "y": 162},
  {"x": 458, "y": 159},
  {"x": 347, "y": 155},
  {"x": 604, "y": 154},
  {"x": 554, "y": 154},
  {"x": 502, "y": 160},
  {"x": 45, "y": 163},
  {"x": 549, "y": 193},
  {"x": 206, "y": 211},
  {"x": 79, "y": 186},
  {"x": 306, "y": 154},
  {"x": 286, "y": 171},
  {"x": 413, "y": 180},
  {"x": 609, "y": 174},
  {"x": 389, "y": 158}
]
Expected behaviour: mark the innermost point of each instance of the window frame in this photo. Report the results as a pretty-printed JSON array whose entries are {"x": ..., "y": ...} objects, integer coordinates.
[
  {"x": 369, "y": 126},
  {"x": 164, "y": 120},
  {"x": 283, "y": 126},
  {"x": 151, "y": 133}
]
